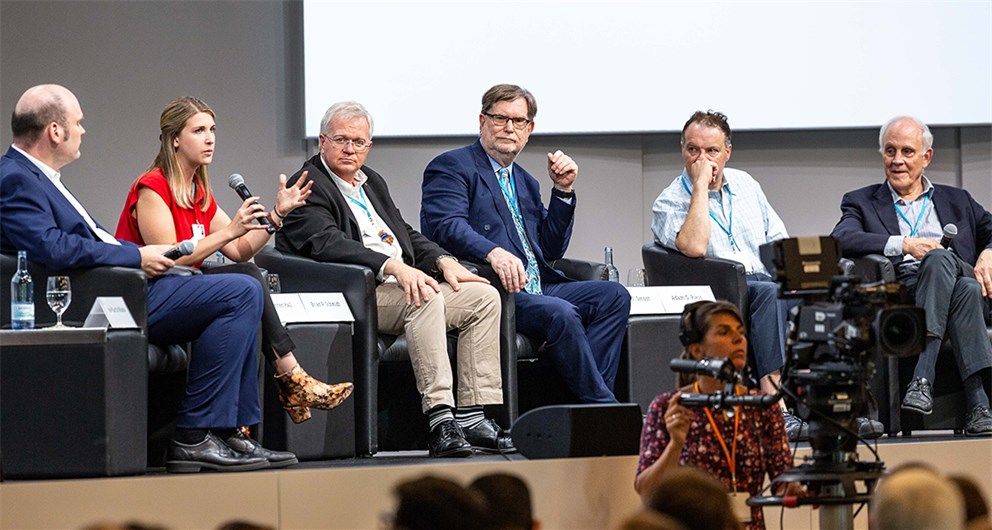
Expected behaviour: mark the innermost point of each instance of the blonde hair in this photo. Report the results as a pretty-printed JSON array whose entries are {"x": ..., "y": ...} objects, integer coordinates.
[{"x": 172, "y": 121}]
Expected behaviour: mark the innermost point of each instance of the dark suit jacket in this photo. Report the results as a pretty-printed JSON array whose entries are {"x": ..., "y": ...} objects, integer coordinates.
[
  {"x": 868, "y": 218},
  {"x": 464, "y": 210},
  {"x": 37, "y": 218},
  {"x": 326, "y": 230}
]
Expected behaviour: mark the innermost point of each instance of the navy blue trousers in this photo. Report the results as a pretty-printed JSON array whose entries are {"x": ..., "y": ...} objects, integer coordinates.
[
  {"x": 583, "y": 325},
  {"x": 221, "y": 313}
]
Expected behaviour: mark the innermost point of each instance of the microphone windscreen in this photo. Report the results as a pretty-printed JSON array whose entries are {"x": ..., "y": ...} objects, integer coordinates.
[
  {"x": 950, "y": 230},
  {"x": 235, "y": 180},
  {"x": 187, "y": 247}
]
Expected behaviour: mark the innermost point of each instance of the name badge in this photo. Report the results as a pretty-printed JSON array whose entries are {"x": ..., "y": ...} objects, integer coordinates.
[
  {"x": 109, "y": 311},
  {"x": 289, "y": 307},
  {"x": 198, "y": 232},
  {"x": 668, "y": 299}
]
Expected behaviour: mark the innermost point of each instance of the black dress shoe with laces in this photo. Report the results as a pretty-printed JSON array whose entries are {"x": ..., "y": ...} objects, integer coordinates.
[
  {"x": 869, "y": 429},
  {"x": 488, "y": 437},
  {"x": 978, "y": 422},
  {"x": 247, "y": 446},
  {"x": 212, "y": 454},
  {"x": 919, "y": 396},
  {"x": 447, "y": 440}
]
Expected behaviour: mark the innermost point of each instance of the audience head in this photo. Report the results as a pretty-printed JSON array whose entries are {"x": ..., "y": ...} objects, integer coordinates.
[
  {"x": 693, "y": 498},
  {"x": 916, "y": 499},
  {"x": 506, "y": 121},
  {"x": 906, "y": 145},
  {"x": 434, "y": 503},
  {"x": 712, "y": 329},
  {"x": 975, "y": 507},
  {"x": 508, "y": 500},
  {"x": 186, "y": 144},
  {"x": 47, "y": 124},
  {"x": 345, "y": 138},
  {"x": 707, "y": 135}
]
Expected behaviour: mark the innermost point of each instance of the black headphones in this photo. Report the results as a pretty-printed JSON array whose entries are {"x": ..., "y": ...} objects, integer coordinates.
[{"x": 689, "y": 331}]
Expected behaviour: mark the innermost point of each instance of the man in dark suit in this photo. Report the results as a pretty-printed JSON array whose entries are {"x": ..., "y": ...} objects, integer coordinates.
[
  {"x": 220, "y": 312},
  {"x": 484, "y": 207},
  {"x": 351, "y": 218},
  {"x": 902, "y": 218}
]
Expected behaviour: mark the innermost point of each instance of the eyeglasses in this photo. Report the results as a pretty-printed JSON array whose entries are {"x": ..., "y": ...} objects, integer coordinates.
[
  {"x": 500, "y": 121},
  {"x": 361, "y": 145}
]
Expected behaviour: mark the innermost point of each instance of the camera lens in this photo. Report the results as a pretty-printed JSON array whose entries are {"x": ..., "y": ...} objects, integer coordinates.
[{"x": 901, "y": 331}]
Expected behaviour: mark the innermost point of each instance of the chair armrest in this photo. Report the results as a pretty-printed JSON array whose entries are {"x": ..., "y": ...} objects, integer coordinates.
[
  {"x": 727, "y": 278},
  {"x": 87, "y": 285},
  {"x": 580, "y": 269}
]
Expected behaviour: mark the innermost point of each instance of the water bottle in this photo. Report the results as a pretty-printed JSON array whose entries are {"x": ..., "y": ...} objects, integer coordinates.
[
  {"x": 22, "y": 295},
  {"x": 612, "y": 273}
]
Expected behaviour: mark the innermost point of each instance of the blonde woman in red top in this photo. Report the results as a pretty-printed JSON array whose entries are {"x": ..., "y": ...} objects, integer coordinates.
[{"x": 173, "y": 202}]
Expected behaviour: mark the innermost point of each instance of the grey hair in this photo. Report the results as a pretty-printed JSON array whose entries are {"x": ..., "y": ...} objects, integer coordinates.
[
  {"x": 927, "y": 135},
  {"x": 345, "y": 109}
]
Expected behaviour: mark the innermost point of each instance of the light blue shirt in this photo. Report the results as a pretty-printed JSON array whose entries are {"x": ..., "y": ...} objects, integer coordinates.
[
  {"x": 927, "y": 225},
  {"x": 754, "y": 221}
]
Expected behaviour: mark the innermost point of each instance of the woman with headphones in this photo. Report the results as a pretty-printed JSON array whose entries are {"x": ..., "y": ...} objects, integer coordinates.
[{"x": 738, "y": 445}]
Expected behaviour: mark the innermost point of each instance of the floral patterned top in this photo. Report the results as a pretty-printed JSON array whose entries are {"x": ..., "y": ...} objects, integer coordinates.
[{"x": 762, "y": 446}]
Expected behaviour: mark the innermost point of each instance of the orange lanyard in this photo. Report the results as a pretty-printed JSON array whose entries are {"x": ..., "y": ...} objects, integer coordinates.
[{"x": 731, "y": 455}]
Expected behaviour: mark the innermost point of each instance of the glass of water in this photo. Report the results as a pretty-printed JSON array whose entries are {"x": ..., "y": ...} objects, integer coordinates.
[
  {"x": 635, "y": 278},
  {"x": 59, "y": 296}
]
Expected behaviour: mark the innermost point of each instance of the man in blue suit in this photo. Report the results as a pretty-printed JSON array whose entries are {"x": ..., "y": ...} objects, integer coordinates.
[
  {"x": 221, "y": 312},
  {"x": 481, "y": 206},
  {"x": 902, "y": 218}
]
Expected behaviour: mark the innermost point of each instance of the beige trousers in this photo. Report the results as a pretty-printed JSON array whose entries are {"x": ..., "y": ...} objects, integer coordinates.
[{"x": 474, "y": 311}]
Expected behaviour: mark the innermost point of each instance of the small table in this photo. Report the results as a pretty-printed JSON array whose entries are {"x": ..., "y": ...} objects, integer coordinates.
[{"x": 73, "y": 402}]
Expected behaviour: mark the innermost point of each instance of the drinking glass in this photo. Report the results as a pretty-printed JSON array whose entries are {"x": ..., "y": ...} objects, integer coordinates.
[
  {"x": 635, "y": 278},
  {"x": 59, "y": 296}
]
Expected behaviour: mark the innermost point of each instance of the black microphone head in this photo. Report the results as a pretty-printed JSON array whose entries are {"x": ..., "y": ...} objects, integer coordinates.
[
  {"x": 950, "y": 230},
  {"x": 235, "y": 180},
  {"x": 187, "y": 247}
]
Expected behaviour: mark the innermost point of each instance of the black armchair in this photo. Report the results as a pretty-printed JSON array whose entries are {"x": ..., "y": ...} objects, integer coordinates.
[{"x": 894, "y": 374}]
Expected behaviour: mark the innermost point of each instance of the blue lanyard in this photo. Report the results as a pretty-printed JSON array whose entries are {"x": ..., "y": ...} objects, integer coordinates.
[
  {"x": 915, "y": 227},
  {"x": 384, "y": 234},
  {"x": 729, "y": 229}
]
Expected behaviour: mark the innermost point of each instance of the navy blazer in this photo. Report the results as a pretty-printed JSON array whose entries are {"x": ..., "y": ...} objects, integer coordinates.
[
  {"x": 868, "y": 218},
  {"x": 37, "y": 218},
  {"x": 464, "y": 211},
  {"x": 326, "y": 230}
]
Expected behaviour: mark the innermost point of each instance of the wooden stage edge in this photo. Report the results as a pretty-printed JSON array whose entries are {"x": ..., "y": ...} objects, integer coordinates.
[{"x": 567, "y": 493}]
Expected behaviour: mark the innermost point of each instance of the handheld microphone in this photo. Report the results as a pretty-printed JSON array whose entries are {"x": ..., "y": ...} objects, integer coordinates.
[
  {"x": 720, "y": 369},
  {"x": 950, "y": 232},
  {"x": 237, "y": 183},
  {"x": 182, "y": 249}
]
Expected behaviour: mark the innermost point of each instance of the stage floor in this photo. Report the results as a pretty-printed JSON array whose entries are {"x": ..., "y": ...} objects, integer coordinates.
[{"x": 589, "y": 493}]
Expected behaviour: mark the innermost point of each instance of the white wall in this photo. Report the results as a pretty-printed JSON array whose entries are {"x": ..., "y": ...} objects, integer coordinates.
[{"x": 125, "y": 60}]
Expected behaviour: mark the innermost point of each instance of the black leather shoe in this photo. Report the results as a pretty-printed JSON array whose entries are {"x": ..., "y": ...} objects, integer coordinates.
[
  {"x": 447, "y": 440},
  {"x": 795, "y": 428},
  {"x": 919, "y": 396},
  {"x": 213, "y": 454},
  {"x": 870, "y": 429},
  {"x": 488, "y": 437},
  {"x": 978, "y": 422},
  {"x": 247, "y": 446}
]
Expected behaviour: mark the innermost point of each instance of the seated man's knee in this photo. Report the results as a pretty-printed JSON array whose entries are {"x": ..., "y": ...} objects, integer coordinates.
[{"x": 939, "y": 259}]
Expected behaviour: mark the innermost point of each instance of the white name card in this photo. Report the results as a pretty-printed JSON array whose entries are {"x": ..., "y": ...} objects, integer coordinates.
[
  {"x": 669, "y": 299},
  {"x": 290, "y": 307},
  {"x": 109, "y": 311},
  {"x": 312, "y": 307}
]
